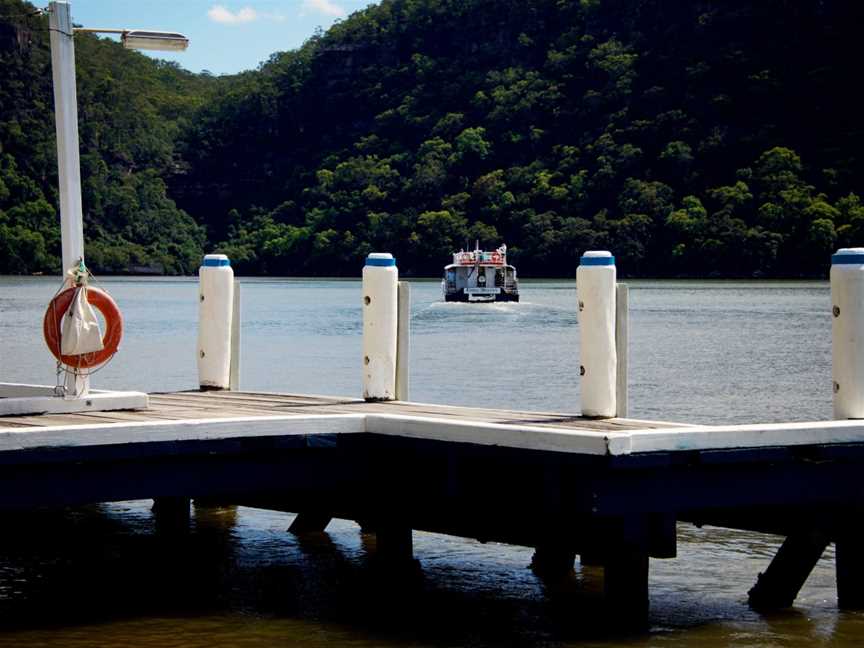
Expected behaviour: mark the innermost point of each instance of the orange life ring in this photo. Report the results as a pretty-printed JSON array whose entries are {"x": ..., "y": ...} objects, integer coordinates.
[{"x": 101, "y": 301}]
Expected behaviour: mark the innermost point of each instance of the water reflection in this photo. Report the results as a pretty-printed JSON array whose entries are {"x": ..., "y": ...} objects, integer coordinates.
[{"x": 103, "y": 576}]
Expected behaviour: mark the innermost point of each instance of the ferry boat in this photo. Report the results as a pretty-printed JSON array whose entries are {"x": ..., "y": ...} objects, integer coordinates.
[{"x": 478, "y": 276}]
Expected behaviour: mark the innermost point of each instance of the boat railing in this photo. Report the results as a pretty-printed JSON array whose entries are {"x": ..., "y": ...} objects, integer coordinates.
[{"x": 469, "y": 258}]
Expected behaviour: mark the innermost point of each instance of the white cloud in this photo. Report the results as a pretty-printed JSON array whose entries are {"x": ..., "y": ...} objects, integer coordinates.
[
  {"x": 326, "y": 7},
  {"x": 221, "y": 14}
]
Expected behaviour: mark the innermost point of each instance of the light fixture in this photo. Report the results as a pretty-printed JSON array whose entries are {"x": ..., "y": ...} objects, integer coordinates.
[
  {"x": 154, "y": 40},
  {"x": 144, "y": 39}
]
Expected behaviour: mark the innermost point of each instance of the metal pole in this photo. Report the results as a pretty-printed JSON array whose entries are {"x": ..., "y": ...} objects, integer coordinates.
[{"x": 66, "y": 121}]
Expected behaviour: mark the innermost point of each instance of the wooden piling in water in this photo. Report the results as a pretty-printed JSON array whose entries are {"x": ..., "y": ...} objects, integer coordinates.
[
  {"x": 849, "y": 565},
  {"x": 778, "y": 586},
  {"x": 394, "y": 545},
  {"x": 553, "y": 560},
  {"x": 310, "y": 522},
  {"x": 172, "y": 514},
  {"x": 625, "y": 585}
]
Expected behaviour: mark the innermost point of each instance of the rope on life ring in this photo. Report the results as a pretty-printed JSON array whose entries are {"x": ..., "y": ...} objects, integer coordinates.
[{"x": 101, "y": 301}]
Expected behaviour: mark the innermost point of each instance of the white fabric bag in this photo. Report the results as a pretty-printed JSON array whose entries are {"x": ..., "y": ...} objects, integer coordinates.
[{"x": 80, "y": 332}]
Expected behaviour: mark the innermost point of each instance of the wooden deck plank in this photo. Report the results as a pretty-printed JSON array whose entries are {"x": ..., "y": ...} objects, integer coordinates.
[
  {"x": 279, "y": 402},
  {"x": 192, "y": 405},
  {"x": 566, "y": 432}
]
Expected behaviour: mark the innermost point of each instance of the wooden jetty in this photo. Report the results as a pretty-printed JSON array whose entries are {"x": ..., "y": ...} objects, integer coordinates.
[{"x": 609, "y": 491}]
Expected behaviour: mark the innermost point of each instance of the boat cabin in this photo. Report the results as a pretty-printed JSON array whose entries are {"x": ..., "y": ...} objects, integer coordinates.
[{"x": 478, "y": 276}]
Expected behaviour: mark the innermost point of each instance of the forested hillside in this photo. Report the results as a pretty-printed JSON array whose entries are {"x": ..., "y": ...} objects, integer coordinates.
[
  {"x": 692, "y": 138},
  {"x": 131, "y": 111}
]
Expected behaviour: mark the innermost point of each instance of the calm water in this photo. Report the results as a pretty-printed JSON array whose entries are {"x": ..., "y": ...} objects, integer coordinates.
[{"x": 701, "y": 352}]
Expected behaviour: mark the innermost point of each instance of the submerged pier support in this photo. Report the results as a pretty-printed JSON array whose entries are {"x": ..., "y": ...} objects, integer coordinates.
[
  {"x": 310, "y": 522},
  {"x": 778, "y": 586},
  {"x": 553, "y": 560},
  {"x": 625, "y": 584},
  {"x": 172, "y": 514},
  {"x": 849, "y": 563},
  {"x": 394, "y": 549}
]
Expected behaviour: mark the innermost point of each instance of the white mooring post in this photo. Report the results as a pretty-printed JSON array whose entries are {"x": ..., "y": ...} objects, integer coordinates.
[
  {"x": 380, "y": 326},
  {"x": 847, "y": 332},
  {"x": 215, "y": 314},
  {"x": 403, "y": 341},
  {"x": 595, "y": 288}
]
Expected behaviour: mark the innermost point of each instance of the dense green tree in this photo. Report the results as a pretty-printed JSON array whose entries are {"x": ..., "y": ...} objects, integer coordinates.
[{"x": 131, "y": 112}]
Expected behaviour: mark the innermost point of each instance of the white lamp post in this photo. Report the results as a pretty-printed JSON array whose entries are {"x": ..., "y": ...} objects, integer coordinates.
[
  {"x": 66, "y": 122},
  {"x": 66, "y": 118}
]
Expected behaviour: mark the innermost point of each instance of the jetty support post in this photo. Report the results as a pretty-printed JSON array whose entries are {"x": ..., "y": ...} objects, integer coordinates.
[
  {"x": 215, "y": 317},
  {"x": 234, "y": 374},
  {"x": 380, "y": 326},
  {"x": 622, "y": 349},
  {"x": 595, "y": 287},
  {"x": 394, "y": 546},
  {"x": 309, "y": 522},
  {"x": 172, "y": 514},
  {"x": 778, "y": 586},
  {"x": 403, "y": 342},
  {"x": 849, "y": 563},
  {"x": 553, "y": 560}
]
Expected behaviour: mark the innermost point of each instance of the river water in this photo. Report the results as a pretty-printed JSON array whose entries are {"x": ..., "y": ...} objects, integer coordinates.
[{"x": 700, "y": 351}]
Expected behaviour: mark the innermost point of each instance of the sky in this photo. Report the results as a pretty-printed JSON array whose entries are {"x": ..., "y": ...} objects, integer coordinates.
[{"x": 224, "y": 36}]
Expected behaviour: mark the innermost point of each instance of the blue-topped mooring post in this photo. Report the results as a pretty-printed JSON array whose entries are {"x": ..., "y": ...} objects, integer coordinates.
[
  {"x": 215, "y": 317},
  {"x": 847, "y": 332},
  {"x": 598, "y": 360},
  {"x": 380, "y": 326}
]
